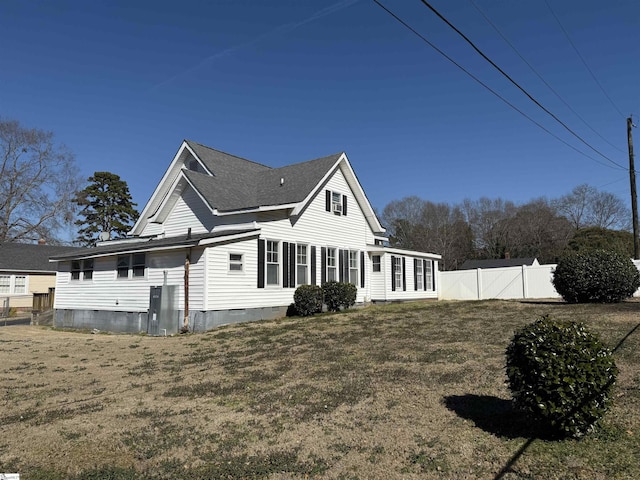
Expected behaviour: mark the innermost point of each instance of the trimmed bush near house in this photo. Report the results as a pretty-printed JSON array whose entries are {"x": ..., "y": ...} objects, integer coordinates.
[
  {"x": 339, "y": 295},
  {"x": 560, "y": 374},
  {"x": 308, "y": 300},
  {"x": 596, "y": 276}
]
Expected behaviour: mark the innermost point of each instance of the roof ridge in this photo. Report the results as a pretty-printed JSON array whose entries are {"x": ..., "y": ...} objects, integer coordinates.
[
  {"x": 225, "y": 153},
  {"x": 337, "y": 155}
]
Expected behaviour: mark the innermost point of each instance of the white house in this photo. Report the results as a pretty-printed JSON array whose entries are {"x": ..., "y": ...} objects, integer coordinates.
[{"x": 224, "y": 239}]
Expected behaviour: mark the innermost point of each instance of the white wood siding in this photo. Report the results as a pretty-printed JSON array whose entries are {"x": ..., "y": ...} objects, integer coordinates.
[
  {"x": 379, "y": 280},
  {"x": 107, "y": 292},
  {"x": 238, "y": 290},
  {"x": 410, "y": 293},
  {"x": 316, "y": 226},
  {"x": 189, "y": 212}
]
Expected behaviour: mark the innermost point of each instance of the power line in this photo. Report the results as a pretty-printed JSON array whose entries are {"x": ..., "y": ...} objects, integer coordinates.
[
  {"x": 566, "y": 34},
  {"x": 407, "y": 26},
  {"x": 495, "y": 27},
  {"x": 516, "y": 84}
]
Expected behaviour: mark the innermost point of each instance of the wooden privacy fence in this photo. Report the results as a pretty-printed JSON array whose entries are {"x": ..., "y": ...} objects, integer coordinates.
[
  {"x": 43, "y": 301},
  {"x": 502, "y": 283}
]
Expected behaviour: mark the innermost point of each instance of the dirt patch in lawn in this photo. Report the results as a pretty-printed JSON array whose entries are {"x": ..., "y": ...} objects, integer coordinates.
[{"x": 400, "y": 391}]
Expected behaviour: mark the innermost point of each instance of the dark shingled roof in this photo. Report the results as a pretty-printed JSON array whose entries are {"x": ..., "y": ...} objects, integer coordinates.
[
  {"x": 25, "y": 257},
  {"x": 150, "y": 243},
  {"x": 240, "y": 184},
  {"x": 496, "y": 263}
]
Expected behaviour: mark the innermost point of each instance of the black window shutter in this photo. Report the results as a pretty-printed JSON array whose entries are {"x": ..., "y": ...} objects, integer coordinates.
[
  {"x": 415, "y": 273},
  {"x": 344, "y": 205},
  {"x": 292, "y": 265},
  {"x": 285, "y": 264},
  {"x": 424, "y": 275},
  {"x": 341, "y": 264},
  {"x": 433, "y": 272},
  {"x": 361, "y": 269},
  {"x": 261, "y": 249},
  {"x": 328, "y": 197},
  {"x": 393, "y": 273},
  {"x": 323, "y": 264},
  {"x": 312, "y": 280},
  {"x": 404, "y": 275}
]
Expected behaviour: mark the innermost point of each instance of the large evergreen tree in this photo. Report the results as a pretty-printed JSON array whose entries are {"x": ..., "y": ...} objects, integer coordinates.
[{"x": 106, "y": 207}]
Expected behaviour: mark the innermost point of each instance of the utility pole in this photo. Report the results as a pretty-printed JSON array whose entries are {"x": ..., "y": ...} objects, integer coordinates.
[{"x": 634, "y": 196}]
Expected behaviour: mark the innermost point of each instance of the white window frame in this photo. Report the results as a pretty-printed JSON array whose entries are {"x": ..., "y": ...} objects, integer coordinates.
[
  {"x": 236, "y": 265},
  {"x": 302, "y": 264},
  {"x": 375, "y": 263},
  {"x": 397, "y": 272},
  {"x": 332, "y": 254},
  {"x": 24, "y": 287},
  {"x": 11, "y": 284},
  {"x": 354, "y": 267},
  {"x": 429, "y": 275},
  {"x": 82, "y": 270},
  {"x": 272, "y": 261},
  {"x": 5, "y": 283},
  {"x": 419, "y": 274},
  {"x": 336, "y": 203},
  {"x": 134, "y": 269}
]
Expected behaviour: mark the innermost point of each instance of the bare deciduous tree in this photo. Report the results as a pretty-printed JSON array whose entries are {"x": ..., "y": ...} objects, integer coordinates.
[
  {"x": 430, "y": 227},
  {"x": 38, "y": 180},
  {"x": 585, "y": 206},
  {"x": 487, "y": 219}
]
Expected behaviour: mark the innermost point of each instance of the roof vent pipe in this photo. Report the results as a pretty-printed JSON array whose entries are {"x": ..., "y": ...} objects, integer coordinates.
[
  {"x": 189, "y": 233},
  {"x": 281, "y": 181}
]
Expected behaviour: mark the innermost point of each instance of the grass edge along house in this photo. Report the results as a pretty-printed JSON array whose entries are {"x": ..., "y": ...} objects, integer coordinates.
[{"x": 223, "y": 239}]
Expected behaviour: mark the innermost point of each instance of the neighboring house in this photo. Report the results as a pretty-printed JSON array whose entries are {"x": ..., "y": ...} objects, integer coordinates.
[
  {"x": 25, "y": 269},
  {"x": 224, "y": 239},
  {"x": 499, "y": 263}
]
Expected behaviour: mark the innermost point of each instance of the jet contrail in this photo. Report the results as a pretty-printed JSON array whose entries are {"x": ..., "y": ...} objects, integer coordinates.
[{"x": 280, "y": 30}]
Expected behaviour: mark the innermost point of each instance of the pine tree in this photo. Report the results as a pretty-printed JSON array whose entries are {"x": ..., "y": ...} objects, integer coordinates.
[{"x": 106, "y": 207}]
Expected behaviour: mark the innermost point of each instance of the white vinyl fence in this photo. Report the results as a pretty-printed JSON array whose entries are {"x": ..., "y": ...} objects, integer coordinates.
[{"x": 502, "y": 283}]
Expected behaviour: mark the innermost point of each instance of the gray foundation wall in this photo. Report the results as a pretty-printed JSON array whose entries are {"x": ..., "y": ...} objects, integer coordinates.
[
  {"x": 121, "y": 322},
  {"x": 136, "y": 322}
]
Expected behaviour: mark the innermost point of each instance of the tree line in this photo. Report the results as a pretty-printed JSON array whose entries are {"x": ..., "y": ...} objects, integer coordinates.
[{"x": 492, "y": 228}]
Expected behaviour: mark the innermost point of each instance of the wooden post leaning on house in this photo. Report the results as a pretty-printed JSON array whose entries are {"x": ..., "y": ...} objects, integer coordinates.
[{"x": 187, "y": 262}]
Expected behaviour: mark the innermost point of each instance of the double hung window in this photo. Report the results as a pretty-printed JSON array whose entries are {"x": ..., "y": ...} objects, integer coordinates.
[
  {"x": 301, "y": 265},
  {"x": 131, "y": 265},
  {"x": 332, "y": 265},
  {"x": 273, "y": 263},
  {"x": 353, "y": 267},
  {"x": 419, "y": 275},
  {"x": 235, "y": 262}
]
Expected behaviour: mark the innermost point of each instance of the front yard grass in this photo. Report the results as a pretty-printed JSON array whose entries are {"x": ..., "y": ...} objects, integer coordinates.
[{"x": 413, "y": 390}]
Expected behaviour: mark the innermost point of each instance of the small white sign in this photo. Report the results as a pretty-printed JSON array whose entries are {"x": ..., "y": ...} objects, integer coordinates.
[{"x": 9, "y": 476}]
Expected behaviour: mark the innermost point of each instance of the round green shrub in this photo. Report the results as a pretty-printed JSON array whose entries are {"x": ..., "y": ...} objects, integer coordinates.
[
  {"x": 596, "y": 276},
  {"x": 332, "y": 293},
  {"x": 348, "y": 295},
  {"x": 339, "y": 295},
  {"x": 308, "y": 300},
  {"x": 560, "y": 374}
]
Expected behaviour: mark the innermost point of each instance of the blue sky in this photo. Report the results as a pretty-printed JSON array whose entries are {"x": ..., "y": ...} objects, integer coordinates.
[{"x": 122, "y": 83}]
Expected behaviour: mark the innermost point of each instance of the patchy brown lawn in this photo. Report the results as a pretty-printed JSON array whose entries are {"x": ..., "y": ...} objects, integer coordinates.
[{"x": 399, "y": 391}]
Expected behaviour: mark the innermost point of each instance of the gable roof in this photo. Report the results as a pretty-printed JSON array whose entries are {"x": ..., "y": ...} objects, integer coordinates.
[
  {"x": 239, "y": 184},
  {"x": 497, "y": 263},
  {"x": 26, "y": 257},
  {"x": 229, "y": 184}
]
